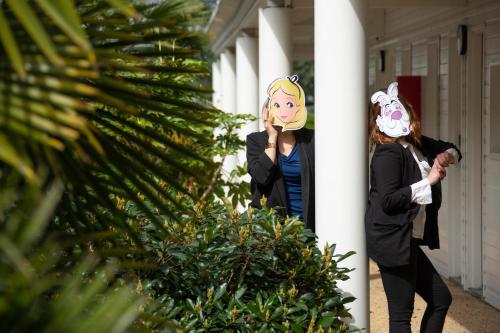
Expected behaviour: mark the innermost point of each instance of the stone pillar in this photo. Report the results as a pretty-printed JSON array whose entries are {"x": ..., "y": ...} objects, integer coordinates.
[
  {"x": 216, "y": 83},
  {"x": 247, "y": 86},
  {"x": 341, "y": 139},
  {"x": 275, "y": 48},
  {"x": 228, "y": 96}
]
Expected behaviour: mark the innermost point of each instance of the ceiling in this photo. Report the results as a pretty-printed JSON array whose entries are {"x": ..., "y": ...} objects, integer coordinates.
[{"x": 234, "y": 18}]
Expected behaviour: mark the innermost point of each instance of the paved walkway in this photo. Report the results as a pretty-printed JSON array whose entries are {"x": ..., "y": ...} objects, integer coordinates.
[{"x": 466, "y": 315}]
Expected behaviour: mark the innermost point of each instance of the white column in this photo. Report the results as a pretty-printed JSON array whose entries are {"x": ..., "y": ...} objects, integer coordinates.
[
  {"x": 216, "y": 83},
  {"x": 341, "y": 141},
  {"x": 228, "y": 96},
  {"x": 247, "y": 86},
  {"x": 275, "y": 48}
]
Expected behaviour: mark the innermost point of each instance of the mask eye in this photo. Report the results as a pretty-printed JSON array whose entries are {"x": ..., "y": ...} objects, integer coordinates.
[
  {"x": 289, "y": 104},
  {"x": 276, "y": 105}
]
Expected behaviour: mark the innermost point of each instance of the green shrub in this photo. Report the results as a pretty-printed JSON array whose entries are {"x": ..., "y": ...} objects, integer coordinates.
[{"x": 222, "y": 271}]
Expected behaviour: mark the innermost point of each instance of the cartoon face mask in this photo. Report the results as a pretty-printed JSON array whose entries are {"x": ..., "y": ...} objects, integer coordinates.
[
  {"x": 393, "y": 120},
  {"x": 286, "y": 104}
]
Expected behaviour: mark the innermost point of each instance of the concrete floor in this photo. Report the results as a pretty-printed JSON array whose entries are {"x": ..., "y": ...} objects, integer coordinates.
[{"x": 467, "y": 313}]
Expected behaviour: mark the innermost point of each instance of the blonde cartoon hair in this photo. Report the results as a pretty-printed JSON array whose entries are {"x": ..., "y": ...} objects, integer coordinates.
[{"x": 290, "y": 87}]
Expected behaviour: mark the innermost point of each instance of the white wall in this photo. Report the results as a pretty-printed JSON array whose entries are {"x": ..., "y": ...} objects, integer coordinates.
[{"x": 491, "y": 184}]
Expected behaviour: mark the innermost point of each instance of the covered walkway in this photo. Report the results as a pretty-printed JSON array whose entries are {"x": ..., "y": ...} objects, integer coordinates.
[{"x": 448, "y": 49}]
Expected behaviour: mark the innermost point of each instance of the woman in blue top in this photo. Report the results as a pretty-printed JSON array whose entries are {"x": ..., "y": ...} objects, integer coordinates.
[{"x": 281, "y": 158}]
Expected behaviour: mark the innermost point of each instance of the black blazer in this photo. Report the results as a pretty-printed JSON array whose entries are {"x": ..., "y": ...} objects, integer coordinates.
[
  {"x": 267, "y": 178},
  {"x": 390, "y": 212}
]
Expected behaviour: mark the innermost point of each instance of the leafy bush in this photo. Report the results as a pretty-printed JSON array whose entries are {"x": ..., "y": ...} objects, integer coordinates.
[{"x": 222, "y": 271}]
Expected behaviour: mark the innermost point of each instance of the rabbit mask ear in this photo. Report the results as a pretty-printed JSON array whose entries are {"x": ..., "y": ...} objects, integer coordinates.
[
  {"x": 392, "y": 90},
  {"x": 379, "y": 96}
]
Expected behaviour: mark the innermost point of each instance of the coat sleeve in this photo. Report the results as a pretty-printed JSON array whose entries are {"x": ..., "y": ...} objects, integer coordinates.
[
  {"x": 434, "y": 147},
  {"x": 387, "y": 165},
  {"x": 260, "y": 166}
]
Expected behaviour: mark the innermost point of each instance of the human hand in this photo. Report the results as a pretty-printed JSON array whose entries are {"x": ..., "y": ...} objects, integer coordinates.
[
  {"x": 437, "y": 173},
  {"x": 272, "y": 132},
  {"x": 445, "y": 159}
]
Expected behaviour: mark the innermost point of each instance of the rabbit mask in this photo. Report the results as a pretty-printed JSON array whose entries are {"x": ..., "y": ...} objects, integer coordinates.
[{"x": 393, "y": 120}]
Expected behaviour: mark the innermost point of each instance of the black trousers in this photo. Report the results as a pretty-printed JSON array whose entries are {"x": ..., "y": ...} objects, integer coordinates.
[{"x": 401, "y": 283}]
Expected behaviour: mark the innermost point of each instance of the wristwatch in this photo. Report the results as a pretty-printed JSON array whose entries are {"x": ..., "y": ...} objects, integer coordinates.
[{"x": 270, "y": 145}]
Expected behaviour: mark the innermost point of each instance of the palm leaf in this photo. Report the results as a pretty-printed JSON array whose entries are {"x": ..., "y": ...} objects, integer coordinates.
[
  {"x": 7, "y": 39},
  {"x": 41, "y": 295},
  {"x": 34, "y": 27},
  {"x": 103, "y": 122}
]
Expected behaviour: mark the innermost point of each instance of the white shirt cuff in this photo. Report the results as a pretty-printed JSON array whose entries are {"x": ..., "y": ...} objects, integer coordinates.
[
  {"x": 454, "y": 152},
  {"x": 421, "y": 192}
]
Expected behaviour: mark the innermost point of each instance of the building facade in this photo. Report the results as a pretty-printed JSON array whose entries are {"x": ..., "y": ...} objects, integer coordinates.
[
  {"x": 450, "y": 48},
  {"x": 460, "y": 103}
]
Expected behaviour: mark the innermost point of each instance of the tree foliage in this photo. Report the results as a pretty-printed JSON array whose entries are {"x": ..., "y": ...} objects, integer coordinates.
[{"x": 109, "y": 220}]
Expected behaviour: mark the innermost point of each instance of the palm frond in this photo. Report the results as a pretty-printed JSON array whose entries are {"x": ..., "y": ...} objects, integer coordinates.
[
  {"x": 40, "y": 291},
  {"x": 99, "y": 92}
]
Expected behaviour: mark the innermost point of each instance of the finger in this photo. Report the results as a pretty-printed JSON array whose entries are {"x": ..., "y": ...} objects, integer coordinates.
[{"x": 443, "y": 162}]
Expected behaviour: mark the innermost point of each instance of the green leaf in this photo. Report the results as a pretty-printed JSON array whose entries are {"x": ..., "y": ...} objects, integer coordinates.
[
  {"x": 66, "y": 17},
  {"x": 345, "y": 256},
  {"x": 10, "y": 155},
  {"x": 220, "y": 291},
  {"x": 240, "y": 292},
  {"x": 349, "y": 299},
  {"x": 10, "y": 45},
  {"x": 35, "y": 29},
  {"x": 123, "y": 6},
  {"x": 34, "y": 230},
  {"x": 326, "y": 321},
  {"x": 296, "y": 328}
]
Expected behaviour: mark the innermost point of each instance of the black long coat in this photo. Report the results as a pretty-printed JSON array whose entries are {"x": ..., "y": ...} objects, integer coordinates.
[
  {"x": 390, "y": 211},
  {"x": 267, "y": 178}
]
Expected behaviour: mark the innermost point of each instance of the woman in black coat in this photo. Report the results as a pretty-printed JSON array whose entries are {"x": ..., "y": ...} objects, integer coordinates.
[
  {"x": 402, "y": 211},
  {"x": 281, "y": 158}
]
